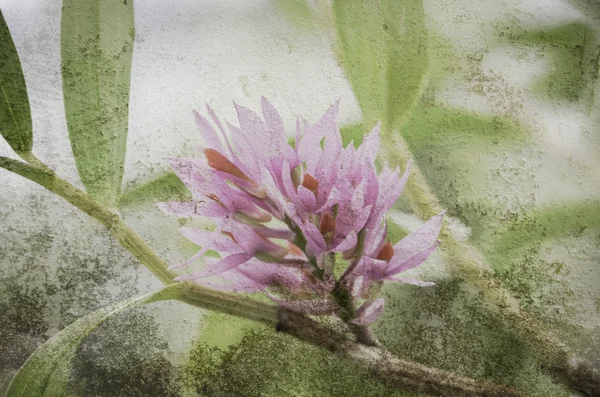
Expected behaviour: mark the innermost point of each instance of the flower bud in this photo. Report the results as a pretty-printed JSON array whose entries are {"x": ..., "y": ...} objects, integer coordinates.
[
  {"x": 327, "y": 226},
  {"x": 220, "y": 163},
  {"x": 311, "y": 183},
  {"x": 386, "y": 253}
]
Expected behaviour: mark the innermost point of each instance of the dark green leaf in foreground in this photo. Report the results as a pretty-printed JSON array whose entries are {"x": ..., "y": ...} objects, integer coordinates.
[
  {"x": 15, "y": 114},
  {"x": 46, "y": 371}
]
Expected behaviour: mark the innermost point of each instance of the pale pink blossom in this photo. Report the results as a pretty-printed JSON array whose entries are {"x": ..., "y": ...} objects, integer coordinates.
[{"x": 282, "y": 212}]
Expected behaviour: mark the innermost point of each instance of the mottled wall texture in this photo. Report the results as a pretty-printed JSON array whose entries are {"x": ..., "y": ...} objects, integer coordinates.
[{"x": 497, "y": 103}]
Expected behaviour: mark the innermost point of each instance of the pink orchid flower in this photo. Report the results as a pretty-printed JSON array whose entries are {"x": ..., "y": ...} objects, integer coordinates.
[{"x": 285, "y": 213}]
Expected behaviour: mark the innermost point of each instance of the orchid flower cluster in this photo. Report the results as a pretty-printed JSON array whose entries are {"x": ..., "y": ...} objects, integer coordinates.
[{"x": 304, "y": 222}]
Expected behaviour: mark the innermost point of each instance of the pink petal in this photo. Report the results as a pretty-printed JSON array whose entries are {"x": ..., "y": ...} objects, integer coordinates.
[
  {"x": 371, "y": 185},
  {"x": 327, "y": 168},
  {"x": 416, "y": 260},
  {"x": 216, "y": 120},
  {"x": 390, "y": 187},
  {"x": 193, "y": 173},
  {"x": 313, "y": 136},
  {"x": 358, "y": 286},
  {"x": 181, "y": 209},
  {"x": 198, "y": 237},
  {"x": 307, "y": 198},
  {"x": 211, "y": 209},
  {"x": 267, "y": 232},
  {"x": 246, "y": 151},
  {"x": 222, "y": 266},
  {"x": 314, "y": 238},
  {"x": 375, "y": 268},
  {"x": 211, "y": 139},
  {"x": 348, "y": 243},
  {"x": 194, "y": 258},
  {"x": 251, "y": 125},
  {"x": 216, "y": 239},
  {"x": 272, "y": 117},
  {"x": 369, "y": 312},
  {"x": 288, "y": 184},
  {"x": 268, "y": 274},
  {"x": 370, "y": 146},
  {"x": 333, "y": 198},
  {"x": 375, "y": 236},
  {"x": 414, "y": 243}
]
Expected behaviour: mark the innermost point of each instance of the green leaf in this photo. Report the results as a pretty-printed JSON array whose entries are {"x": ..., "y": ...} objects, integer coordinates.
[
  {"x": 432, "y": 125},
  {"x": 561, "y": 220},
  {"x": 46, "y": 371},
  {"x": 265, "y": 362},
  {"x": 221, "y": 330},
  {"x": 396, "y": 232},
  {"x": 383, "y": 49},
  {"x": 15, "y": 114},
  {"x": 353, "y": 133},
  {"x": 166, "y": 187},
  {"x": 96, "y": 49},
  {"x": 447, "y": 142},
  {"x": 572, "y": 50}
]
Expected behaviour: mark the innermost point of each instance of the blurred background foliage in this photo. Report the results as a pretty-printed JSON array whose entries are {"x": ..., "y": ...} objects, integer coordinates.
[{"x": 473, "y": 118}]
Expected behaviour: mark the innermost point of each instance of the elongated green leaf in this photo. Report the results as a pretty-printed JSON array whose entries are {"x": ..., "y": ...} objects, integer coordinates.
[
  {"x": 166, "y": 187},
  {"x": 444, "y": 126},
  {"x": 96, "y": 50},
  {"x": 15, "y": 115},
  {"x": 383, "y": 49},
  {"x": 560, "y": 220},
  {"x": 46, "y": 371}
]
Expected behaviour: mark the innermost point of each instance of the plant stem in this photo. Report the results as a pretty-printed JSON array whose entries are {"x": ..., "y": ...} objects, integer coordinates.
[
  {"x": 466, "y": 263},
  {"x": 382, "y": 364},
  {"x": 124, "y": 234}
]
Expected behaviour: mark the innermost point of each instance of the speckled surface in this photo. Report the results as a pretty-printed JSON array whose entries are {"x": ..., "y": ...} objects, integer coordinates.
[{"x": 502, "y": 119}]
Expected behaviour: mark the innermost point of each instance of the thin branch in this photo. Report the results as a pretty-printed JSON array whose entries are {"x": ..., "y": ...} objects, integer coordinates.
[
  {"x": 386, "y": 367},
  {"x": 466, "y": 263},
  {"x": 378, "y": 361},
  {"x": 382, "y": 364},
  {"x": 125, "y": 235}
]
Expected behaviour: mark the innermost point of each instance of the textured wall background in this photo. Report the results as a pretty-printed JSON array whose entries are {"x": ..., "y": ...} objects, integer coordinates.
[{"x": 505, "y": 130}]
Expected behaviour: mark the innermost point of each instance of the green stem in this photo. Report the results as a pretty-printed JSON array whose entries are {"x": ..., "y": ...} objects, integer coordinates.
[{"x": 124, "y": 234}]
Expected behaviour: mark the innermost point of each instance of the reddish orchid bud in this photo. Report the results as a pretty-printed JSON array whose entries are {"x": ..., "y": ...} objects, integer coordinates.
[
  {"x": 386, "y": 253},
  {"x": 220, "y": 163},
  {"x": 327, "y": 226},
  {"x": 230, "y": 235},
  {"x": 311, "y": 183},
  {"x": 294, "y": 249},
  {"x": 252, "y": 218}
]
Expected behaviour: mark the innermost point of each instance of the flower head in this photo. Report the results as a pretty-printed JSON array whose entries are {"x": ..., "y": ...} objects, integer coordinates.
[{"x": 283, "y": 211}]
